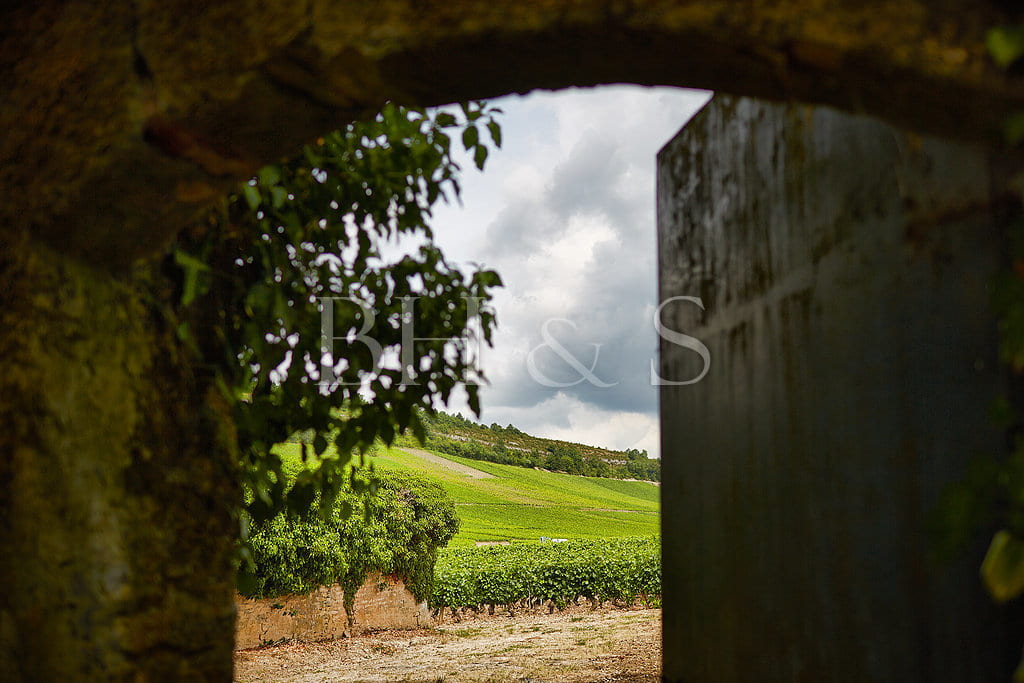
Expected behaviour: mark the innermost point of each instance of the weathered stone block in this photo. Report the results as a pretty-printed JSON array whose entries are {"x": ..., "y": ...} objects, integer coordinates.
[
  {"x": 845, "y": 270},
  {"x": 381, "y": 602}
]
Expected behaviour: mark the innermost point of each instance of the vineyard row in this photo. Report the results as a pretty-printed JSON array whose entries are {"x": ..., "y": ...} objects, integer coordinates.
[{"x": 623, "y": 571}]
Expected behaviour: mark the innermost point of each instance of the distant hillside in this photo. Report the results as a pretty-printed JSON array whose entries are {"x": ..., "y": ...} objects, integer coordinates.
[
  {"x": 457, "y": 436},
  {"x": 497, "y": 503}
]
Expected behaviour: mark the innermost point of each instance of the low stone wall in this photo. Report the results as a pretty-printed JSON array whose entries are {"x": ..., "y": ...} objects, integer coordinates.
[{"x": 381, "y": 602}]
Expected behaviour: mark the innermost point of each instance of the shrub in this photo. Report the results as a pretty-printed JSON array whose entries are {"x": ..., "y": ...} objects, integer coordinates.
[{"x": 395, "y": 528}]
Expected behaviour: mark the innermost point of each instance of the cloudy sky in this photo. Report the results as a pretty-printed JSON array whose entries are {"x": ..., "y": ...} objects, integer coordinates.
[{"x": 565, "y": 213}]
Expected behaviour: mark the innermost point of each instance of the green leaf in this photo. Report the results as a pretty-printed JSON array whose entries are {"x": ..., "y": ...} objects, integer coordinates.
[
  {"x": 480, "y": 156},
  {"x": 278, "y": 197},
  {"x": 418, "y": 429},
  {"x": 495, "y": 130},
  {"x": 252, "y": 196},
  {"x": 269, "y": 175},
  {"x": 1005, "y": 44},
  {"x": 184, "y": 334},
  {"x": 1002, "y": 571},
  {"x": 470, "y": 137},
  {"x": 224, "y": 389},
  {"x": 187, "y": 261},
  {"x": 192, "y": 269},
  {"x": 488, "y": 278},
  {"x": 445, "y": 119}
]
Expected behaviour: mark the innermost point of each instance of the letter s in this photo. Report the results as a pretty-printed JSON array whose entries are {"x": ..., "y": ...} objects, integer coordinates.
[{"x": 684, "y": 340}]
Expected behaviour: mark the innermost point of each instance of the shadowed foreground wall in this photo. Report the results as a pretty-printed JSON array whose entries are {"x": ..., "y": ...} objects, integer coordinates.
[
  {"x": 845, "y": 269},
  {"x": 117, "y": 484}
]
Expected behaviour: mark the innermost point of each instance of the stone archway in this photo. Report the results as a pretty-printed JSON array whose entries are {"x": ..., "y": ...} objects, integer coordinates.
[{"x": 123, "y": 121}]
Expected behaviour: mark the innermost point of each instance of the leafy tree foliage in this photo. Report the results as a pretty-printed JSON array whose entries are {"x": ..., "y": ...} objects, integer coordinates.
[{"x": 309, "y": 236}]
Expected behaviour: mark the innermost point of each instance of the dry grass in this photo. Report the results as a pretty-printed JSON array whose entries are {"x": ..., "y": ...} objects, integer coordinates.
[{"x": 575, "y": 646}]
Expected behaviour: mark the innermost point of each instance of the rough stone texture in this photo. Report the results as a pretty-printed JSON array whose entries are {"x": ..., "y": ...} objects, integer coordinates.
[
  {"x": 123, "y": 120},
  {"x": 381, "y": 602},
  {"x": 845, "y": 268},
  {"x": 384, "y": 602},
  {"x": 115, "y": 495}
]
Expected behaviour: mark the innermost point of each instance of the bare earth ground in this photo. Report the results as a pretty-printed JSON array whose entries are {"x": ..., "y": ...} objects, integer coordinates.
[
  {"x": 466, "y": 470},
  {"x": 573, "y": 646}
]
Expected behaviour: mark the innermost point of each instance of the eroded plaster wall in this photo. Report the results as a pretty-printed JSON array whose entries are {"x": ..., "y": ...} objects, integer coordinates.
[{"x": 382, "y": 602}]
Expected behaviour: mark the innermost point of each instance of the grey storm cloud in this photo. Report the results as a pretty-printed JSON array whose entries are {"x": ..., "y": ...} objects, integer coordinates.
[
  {"x": 610, "y": 305},
  {"x": 588, "y": 183},
  {"x": 603, "y": 361}
]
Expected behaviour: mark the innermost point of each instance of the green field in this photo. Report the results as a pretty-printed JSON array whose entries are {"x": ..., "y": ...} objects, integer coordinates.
[{"x": 526, "y": 504}]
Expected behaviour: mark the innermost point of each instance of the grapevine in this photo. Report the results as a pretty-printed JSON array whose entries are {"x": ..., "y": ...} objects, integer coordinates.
[{"x": 527, "y": 575}]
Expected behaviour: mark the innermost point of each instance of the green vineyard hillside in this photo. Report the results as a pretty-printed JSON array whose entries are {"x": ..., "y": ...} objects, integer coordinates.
[
  {"x": 457, "y": 436},
  {"x": 506, "y": 503},
  {"x": 497, "y": 503}
]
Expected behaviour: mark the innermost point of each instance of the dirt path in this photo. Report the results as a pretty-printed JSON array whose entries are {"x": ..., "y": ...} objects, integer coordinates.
[
  {"x": 575, "y": 646},
  {"x": 450, "y": 464}
]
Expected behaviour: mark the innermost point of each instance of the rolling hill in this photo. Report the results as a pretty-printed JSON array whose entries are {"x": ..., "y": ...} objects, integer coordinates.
[
  {"x": 498, "y": 503},
  {"x": 457, "y": 436},
  {"x": 516, "y": 503}
]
